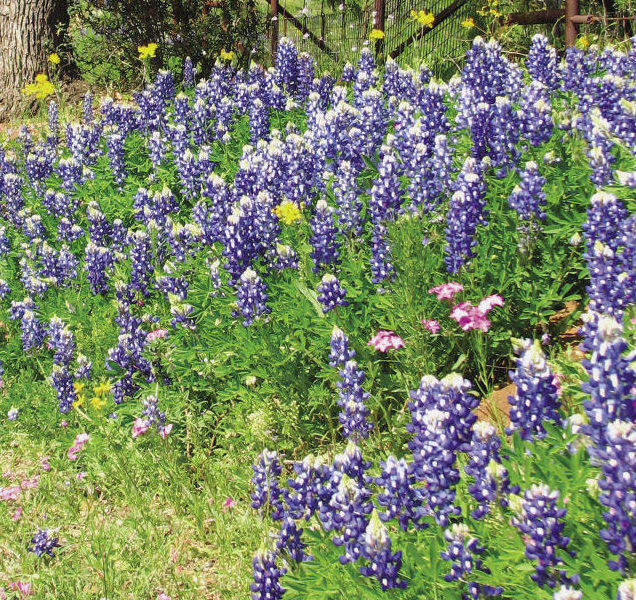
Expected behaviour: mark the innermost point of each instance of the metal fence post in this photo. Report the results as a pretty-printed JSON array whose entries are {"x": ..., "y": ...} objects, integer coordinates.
[
  {"x": 273, "y": 12},
  {"x": 380, "y": 17},
  {"x": 571, "y": 28}
]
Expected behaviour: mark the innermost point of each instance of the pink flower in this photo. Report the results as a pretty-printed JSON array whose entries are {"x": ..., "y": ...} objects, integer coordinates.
[
  {"x": 64, "y": 424},
  {"x": 489, "y": 302},
  {"x": 78, "y": 444},
  {"x": 17, "y": 514},
  {"x": 22, "y": 586},
  {"x": 430, "y": 324},
  {"x": 44, "y": 464},
  {"x": 163, "y": 596},
  {"x": 10, "y": 493},
  {"x": 140, "y": 426},
  {"x": 386, "y": 340},
  {"x": 3, "y": 595},
  {"x": 30, "y": 484},
  {"x": 164, "y": 432},
  {"x": 229, "y": 503},
  {"x": 80, "y": 476},
  {"x": 446, "y": 291},
  {"x": 474, "y": 317},
  {"x": 157, "y": 334}
]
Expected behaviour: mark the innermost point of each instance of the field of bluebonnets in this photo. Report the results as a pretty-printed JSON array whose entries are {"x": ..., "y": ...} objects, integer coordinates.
[{"x": 326, "y": 279}]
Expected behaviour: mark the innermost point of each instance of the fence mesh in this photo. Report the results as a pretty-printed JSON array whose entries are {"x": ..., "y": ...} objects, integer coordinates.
[{"x": 336, "y": 38}]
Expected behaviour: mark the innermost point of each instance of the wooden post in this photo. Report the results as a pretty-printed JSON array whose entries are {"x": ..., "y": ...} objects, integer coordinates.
[
  {"x": 571, "y": 28},
  {"x": 273, "y": 13},
  {"x": 380, "y": 17}
]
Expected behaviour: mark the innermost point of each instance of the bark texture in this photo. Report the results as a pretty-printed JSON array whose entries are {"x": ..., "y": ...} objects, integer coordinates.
[{"x": 29, "y": 31}]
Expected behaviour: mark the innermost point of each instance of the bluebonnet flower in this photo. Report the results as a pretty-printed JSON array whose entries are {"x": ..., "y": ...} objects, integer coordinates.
[
  {"x": 287, "y": 65},
  {"x": 87, "y": 109},
  {"x": 54, "y": 124},
  {"x": 115, "y": 146},
  {"x": 618, "y": 486},
  {"x": 528, "y": 198},
  {"x": 12, "y": 414},
  {"x": 351, "y": 399},
  {"x": 611, "y": 379},
  {"x": 164, "y": 86},
  {"x": 541, "y": 521},
  {"x": 267, "y": 494},
  {"x": 44, "y": 543},
  {"x": 251, "y": 296},
  {"x": 399, "y": 496},
  {"x": 536, "y": 399},
  {"x": 188, "y": 174},
  {"x": 259, "y": 119},
  {"x": 289, "y": 540},
  {"x": 306, "y": 490},
  {"x": 152, "y": 416},
  {"x": 61, "y": 340},
  {"x": 347, "y": 514},
  {"x": 33, "y": 332},
  {"x": 71, "y": 173},
  {"x": 465, "y": 213},
  {"x": 156, "y": 149},
  {"x": 463, "y": 553},
  {"x": 62, "y": 383},
  {"x": 381, "y": 265},
  {"x": 339, "y": 352},
  {"x": 140, "y": 258},
  {"x": 383, "y": 564},
  {"x": 490, "y": 477},
  {"x": 348, "y": 202},
  {"x": 5, "y": 289},
  {"x": 98, "y": 261},
  {"x": 535, "y": 114},
  {"x": 286, "y": 258},
  {"x": 266, "y": 584},
  {"x": 386, "y": 194},
  {"x": 84, "y": 367},
  {"x": 323, "y": 240},
  {"x": 181, "y": 110},
  {"x": 330, "y": 293},
  {"x": 188, "y": 72},
  {"x": 542, "y": 63}
]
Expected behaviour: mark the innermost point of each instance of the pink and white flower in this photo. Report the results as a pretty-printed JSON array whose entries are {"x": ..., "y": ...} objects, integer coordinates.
[
  {"x": 386, "y": 340},
  {"x": 446, "y": 291}
]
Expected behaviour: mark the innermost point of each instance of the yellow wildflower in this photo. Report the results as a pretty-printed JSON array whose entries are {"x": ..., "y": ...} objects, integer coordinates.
[
  {"x": 583, "y": 42},
  {"x": 288, "y": 212},
  {"x": 79, "y": 387},
  {"x": 40, "y": 89},
  {"x": 98, "y": 402},
  {"x": 79, "y": 401},
  {"x": 468, "y": 23},
  {"x": 225, "y": 55},
  {"x": 54, "y": 58},
  {"x": 147, "y": 51},
  {"x": 424, "y": 18},
  {"x": 102, "y": 389},
  {"x": 377, "y": 34}
]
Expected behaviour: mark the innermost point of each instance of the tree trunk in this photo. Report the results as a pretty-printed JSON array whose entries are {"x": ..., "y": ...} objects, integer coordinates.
[{"x": 29, "y": 31}]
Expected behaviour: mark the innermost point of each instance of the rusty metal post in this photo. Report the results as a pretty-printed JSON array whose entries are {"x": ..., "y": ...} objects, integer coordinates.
[
  {"x": 273, "y": 13},
  {"x": 571, "y": 28},
  {"x": 378, "y": 23}
]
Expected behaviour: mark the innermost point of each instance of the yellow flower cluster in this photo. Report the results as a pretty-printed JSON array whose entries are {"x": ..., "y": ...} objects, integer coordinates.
[
  {"x": 491, "y": 8},
  {"x": 288, "y": 212},
  {"x": 54, "y": 58},
  {"x": 468, "y": 23},
  {"x": 225, "y": 55},
  {"x": 40, "y": 89},
  {"x": 425, "y": 19},
  {"x": 377, "y": 34},
  {"x": 99, "y": 399},
  {"x": 147, "y": 51}
]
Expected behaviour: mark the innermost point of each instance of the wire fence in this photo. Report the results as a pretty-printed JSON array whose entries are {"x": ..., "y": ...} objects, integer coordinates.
[{"x": 336, "y": 38}]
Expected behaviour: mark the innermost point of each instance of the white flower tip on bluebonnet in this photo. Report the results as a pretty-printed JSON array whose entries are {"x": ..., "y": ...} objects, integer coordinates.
[
  {"x": 627, "y": 590},
  {"x": 435, "y": 420},
  {"x": 567, "y": 593},
  {"x": 520, "y": 345},
  {"x": 428, "y": 381},
  {"x": 622, "y": 430},
  {"x": 592, "y": 487},
  {"x": 484, "y": 430},
  {"x": 455, "y": 381},
  {"x": 376, "y": 536},
  {"x": 576, "y": 239},
  {"x": 329, "y": 278},
  {"x": 249, "y": 275},
  {"x": 457, "y": 532}
]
